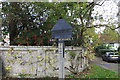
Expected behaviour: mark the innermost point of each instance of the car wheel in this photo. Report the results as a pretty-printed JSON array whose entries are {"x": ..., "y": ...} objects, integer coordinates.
[
  {"x": 118, "y": 60},
  {"x": 103, "y": 59}
]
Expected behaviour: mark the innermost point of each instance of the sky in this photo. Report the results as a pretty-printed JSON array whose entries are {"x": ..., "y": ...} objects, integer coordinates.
[{"x": 108, "y": 10}]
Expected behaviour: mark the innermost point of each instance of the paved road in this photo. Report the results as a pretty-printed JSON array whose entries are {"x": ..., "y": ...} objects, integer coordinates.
[{"x": 112, "y": 66}]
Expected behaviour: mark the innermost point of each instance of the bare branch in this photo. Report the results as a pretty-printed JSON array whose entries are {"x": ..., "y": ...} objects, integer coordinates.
[
  {"x": 116, "y": 28},
  {"x": 102, "y": 25},
  {"x": 71, "y": 70},
  {"x": 90, "y": 12},
  {"x": 89, "y": 7},
  {"x": 81, "y": 19},
  {"x": 100, "y": 4},
  {"x": 98, "y": 26}
]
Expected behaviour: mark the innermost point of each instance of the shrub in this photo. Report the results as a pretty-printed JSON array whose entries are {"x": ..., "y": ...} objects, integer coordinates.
[
  {"x": 72, "y": 55},
  {"x": 100, "y": 47},
  {"x": 103, "y": 51}
]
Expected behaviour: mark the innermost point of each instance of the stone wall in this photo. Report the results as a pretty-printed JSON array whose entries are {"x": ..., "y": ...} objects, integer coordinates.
[
  {"x": 38, "y": 61},
  {"x": 0, "y": 68}
]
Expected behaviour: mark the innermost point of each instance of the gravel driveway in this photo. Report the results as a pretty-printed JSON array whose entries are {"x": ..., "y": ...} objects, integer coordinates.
[{"x": 108, "y": 65}]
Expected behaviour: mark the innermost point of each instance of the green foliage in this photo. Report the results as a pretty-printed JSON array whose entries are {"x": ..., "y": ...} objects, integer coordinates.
[
  {"x": 99, "y": 72},
  {"x": 72, "y": 55},
  {"x": 111, "y": 33},
  {"x": 103, "y": 51},
  {"x": 101, "y": 46},
  {"x": 8, "y": 67},
  {"x": 25, "y": 75},
  {"x": 33, "y": 37},
  {"x": 90, "y": 33},
  {"x": 16, "y": 54},
  {"x": 71, "y": 76},
  {"x": 75, "y": 62},
  {"x": 49, "y": 50},
  {"x": 96, "y": 72},
  {"x": 26, "y": 22},
  {"x": 30, "y": 23}
]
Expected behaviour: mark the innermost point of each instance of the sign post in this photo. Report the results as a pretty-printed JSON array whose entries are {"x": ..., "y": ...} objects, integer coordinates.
[
  {"x": 61, "y": 59},
  {"x": 61, "y": 31}
]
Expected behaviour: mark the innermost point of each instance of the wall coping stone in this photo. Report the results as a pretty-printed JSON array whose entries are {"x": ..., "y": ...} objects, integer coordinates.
[{"x": 37, "y": 48}]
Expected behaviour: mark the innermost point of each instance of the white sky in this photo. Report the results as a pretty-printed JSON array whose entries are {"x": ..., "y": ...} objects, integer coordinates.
[{"x": 109, "y": 11}]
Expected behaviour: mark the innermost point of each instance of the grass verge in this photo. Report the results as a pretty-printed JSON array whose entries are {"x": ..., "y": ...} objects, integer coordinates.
[{"x": 96, "y": 71}]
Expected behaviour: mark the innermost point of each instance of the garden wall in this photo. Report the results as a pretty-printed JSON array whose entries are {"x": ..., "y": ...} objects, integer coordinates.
[{"x": 39, "y": 61}]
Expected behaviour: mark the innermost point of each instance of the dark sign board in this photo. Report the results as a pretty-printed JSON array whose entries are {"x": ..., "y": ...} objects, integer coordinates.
[{"x": 61, "y": 30}]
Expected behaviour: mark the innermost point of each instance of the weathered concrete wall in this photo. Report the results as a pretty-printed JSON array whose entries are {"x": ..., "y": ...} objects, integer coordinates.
[
  {"x": 0, "y": 68},
  {"x": 39, "y": 61}
]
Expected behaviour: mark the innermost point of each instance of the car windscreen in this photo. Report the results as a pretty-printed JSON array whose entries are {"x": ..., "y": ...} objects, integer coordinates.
[{"x": 111, "y": 53}]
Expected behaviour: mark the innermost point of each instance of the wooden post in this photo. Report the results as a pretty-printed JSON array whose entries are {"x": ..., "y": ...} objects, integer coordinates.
[{"x": 61, "y": 60}]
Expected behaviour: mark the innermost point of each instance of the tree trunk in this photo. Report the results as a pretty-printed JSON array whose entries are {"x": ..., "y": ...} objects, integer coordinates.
[
  {"x": 13, "y": 19},
  {"x": 13, "y": 31}
]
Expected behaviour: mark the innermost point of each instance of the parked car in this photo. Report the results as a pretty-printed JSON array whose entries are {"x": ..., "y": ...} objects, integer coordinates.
[{"x": 111, "y": 56}]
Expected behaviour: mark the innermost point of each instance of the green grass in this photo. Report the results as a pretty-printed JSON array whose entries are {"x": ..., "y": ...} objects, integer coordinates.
[
  {"x": 100, "y": 72},
  {"x": 96, "y": 72}
]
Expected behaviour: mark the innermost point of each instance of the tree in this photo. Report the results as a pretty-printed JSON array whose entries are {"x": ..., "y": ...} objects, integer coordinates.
[
  {"x": 23, "y": 19},
  {"x": 113, "y": 35}
]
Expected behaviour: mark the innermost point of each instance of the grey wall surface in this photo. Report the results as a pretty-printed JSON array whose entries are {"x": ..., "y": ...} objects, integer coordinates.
[
  {"x": 38, "y": 61},
  {"x": 0, "y": 67}
]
